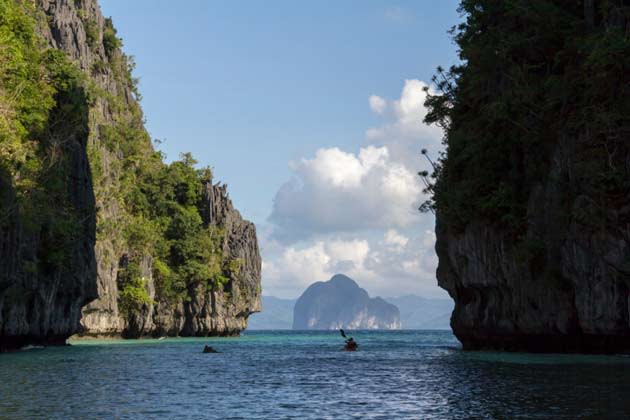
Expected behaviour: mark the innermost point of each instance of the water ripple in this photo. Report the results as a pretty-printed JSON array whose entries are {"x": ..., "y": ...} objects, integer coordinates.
[{"x": 407, "y": 374}]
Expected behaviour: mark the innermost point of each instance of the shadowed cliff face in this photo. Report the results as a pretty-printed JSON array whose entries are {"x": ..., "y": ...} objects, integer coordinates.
[
  {"x": 572, "y": 297},
  {"x": 40, "y": 299},
  {"x": 47, "y": 228},
  {"x": 532, "y": 199},
  {"x": 341, "y": 303},
  {"x": 90, "y": 149},
  {"x": 70, "y": 24},
  {"x": 79, "y": 29}
]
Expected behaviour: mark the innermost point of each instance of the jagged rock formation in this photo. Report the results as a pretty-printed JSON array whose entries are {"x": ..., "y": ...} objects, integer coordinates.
[
  {"x": 39, "y": 303},
  {"x": 45, "y": 278},
  {"x": 68, "y": 31},
  {"x": 341, "y": 303},
  {"x": 416, "y": 313},
  {"x": 532, "y": 199},
  {"x": 202, "y": 312},
  {"x": 95, "y": 136}
]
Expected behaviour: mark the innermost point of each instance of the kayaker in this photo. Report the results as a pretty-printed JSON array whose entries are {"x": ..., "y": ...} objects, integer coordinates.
[{"x": 351, "y": 345}]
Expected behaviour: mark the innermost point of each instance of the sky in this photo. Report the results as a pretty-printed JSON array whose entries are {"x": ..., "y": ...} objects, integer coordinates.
[{"x": 311, "y": 112}]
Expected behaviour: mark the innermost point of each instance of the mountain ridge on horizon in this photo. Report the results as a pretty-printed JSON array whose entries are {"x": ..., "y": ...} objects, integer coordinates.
[
  {"x": 416, "y": 312},
  {"x": 341, "y": 303}
]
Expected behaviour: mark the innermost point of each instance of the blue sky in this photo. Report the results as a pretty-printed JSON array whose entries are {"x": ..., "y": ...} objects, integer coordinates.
[{"x": 250, "y": 86}]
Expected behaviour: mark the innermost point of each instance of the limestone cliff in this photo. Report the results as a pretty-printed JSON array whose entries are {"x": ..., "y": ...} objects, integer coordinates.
[
  {"x": 47, "y": 203},
  {"x": 532, "y": 196},
  {"x": 89, "y": 212},
  {"x": 201, "y": 311},
  {"x": 341, "y": 303}
]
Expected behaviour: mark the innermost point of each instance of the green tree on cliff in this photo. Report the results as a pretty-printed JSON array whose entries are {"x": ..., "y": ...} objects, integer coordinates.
[{"x": 533, "y": 73}]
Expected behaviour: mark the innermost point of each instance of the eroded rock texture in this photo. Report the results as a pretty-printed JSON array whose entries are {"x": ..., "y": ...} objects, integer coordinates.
[
  {"x": 569, "y": 291},
  {"x": 40, "y": 305},
  {"x": 532, "y": 195},
  {"x": 40, "y": 302},
  {"x": 204, "y": 311}
]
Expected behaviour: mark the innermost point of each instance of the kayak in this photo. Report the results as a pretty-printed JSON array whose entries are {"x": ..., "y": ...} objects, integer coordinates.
[{"x": 351, "y": 345}]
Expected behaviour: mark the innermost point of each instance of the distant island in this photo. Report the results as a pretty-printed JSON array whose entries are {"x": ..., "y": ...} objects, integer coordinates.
[
  {"x": 416, "y": 313},
  {"x": 341, "y": 303}
]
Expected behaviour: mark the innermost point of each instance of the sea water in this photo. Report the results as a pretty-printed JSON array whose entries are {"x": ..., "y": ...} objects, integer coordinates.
[{"x": 306, "y": 375}]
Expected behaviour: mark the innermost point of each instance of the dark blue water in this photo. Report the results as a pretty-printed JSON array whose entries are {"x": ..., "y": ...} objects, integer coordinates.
[{"x": 406, "y": 374}]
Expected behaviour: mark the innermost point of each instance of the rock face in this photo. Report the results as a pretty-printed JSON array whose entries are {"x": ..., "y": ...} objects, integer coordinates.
[
  {"x": 341, "y": 303},
  {"x": 41, "y": 305},
  {"x": 503, "y": 302},
  {"x": 203, "y": 312},
  {"x": 533, "y": 234},
  {"x": 532, "y": 202}
]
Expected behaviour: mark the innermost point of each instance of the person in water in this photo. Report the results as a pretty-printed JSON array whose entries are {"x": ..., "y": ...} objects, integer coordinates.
[{"x": 351, "y": 344}]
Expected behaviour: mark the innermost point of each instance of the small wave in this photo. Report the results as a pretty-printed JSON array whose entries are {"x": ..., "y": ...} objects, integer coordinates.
[{"x": 31, "y": 347}]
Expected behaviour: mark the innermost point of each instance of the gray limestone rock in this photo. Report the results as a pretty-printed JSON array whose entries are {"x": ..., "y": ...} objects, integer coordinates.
[
  {"x": 341, "y": 303},
  {"x": 563, "y": 289},
  {"x": 39, "y": 306}
]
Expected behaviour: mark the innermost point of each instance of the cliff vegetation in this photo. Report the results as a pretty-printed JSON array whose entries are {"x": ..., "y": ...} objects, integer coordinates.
[
  {"x": 86, "y": 200},
  {"x": 42, "y": 99},
  {"x": 531, "y": 193},
  {"x": 531, "y": 71}
]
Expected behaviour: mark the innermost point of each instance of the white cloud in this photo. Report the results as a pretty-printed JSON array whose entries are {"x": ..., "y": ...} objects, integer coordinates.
[
  {"x": 396, "y": 240},
  {"x": 403, "y": 131},
  {"x": 340, "y": 191},
  {"x": 377, "y": 104},
  {"x": 355, "y": 212},
  {"x": 340, "y": 169},
  {"x": 296, "y": 268},
  {"x": 354, "y": 251},
  {"x": 393, "y": 266},
  {"x": 375, "y": 188}
]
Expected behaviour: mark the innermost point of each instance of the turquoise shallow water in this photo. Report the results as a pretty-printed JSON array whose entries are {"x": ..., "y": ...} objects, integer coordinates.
[{"x": 398, "y": 374}]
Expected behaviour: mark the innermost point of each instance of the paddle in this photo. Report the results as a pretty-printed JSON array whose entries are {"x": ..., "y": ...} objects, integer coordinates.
[{"x": 343, "y": 334}]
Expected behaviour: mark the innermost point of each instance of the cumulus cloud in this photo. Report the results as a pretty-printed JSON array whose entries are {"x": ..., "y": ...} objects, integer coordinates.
[
  {"x": 395, "y": 239},
  {"x": 340, "y": 191},
  {"x": 377, "y": 104},
  {"x": 403, "y": 131},
  {"x": 374, "y": 188},
  {"x": 392, "y": 266},
  {"x": 295, "y": 268},
  {"x": 355, "y": 212}
]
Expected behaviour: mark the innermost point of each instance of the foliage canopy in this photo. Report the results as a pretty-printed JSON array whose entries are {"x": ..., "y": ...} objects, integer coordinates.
[
  {"x": 46, "y": 113},
  {"x": 533, "y": 73}
]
